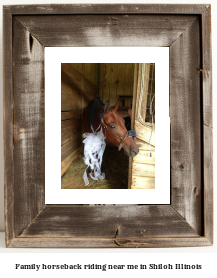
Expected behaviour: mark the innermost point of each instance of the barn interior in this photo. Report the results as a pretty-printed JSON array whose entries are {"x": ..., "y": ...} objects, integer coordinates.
[{"x": 80, "y": 83}]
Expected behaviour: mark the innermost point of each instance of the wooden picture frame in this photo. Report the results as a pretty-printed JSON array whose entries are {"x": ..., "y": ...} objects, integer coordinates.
[{"x": 186, "y": 30}]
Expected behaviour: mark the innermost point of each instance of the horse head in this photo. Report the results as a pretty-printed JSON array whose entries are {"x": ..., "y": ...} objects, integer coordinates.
[{"x": 115, "y": 130}]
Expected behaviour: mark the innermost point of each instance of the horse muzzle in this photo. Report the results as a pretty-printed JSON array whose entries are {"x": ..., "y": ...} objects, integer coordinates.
[
  {"x": 131, "y": 150},
  {"x": 134, "y": 153}
]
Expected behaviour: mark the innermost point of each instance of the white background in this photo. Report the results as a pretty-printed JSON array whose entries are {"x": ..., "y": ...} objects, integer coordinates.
[
  {"x": 206, "y": 255},
  {"x": 53, "y": 192}
]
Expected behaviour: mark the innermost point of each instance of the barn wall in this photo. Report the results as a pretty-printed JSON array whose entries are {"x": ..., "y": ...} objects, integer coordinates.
[
  {"x": 76, "y": 92},
  {"x": 116, "y": 80},
  {"x": 143, "y": 164},
  {"x": 88, "y": 70}
]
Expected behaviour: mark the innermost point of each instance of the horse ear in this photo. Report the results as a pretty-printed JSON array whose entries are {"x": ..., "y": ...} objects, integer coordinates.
[
  {"x": 106, "y": 107},
  {"x": 115, "y": 107}
]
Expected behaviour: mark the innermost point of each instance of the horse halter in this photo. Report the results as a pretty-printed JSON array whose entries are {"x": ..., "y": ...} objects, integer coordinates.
[{"x": 130, "y": 133}]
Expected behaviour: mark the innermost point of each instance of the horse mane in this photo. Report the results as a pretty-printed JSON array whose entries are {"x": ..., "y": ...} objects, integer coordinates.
[{"x": 92, "y": 113}]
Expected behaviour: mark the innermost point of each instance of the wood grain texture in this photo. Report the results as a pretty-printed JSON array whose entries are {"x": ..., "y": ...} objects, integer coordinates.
[
  {"x": 69, "y": 242},
  {"x": 143, "y": 167},
  {"x": 115, "y": 80},
  {"x": 76, "y": 86},
  {"x": 186, "y": 133},
  {"x": 144, "y": 133},
  {"x": 206, "y": 68},
  {"x": 143, "y": 170},
  {"x": 72, "y": 149},
  {"x": 113, "y": 83},
  {"x": 144, "y": 157},
  {"x": 134, "y": 106},
  {"x": 68, "y": 115},
  {"x": 144, "y": 147},
  {"x": 29, "y": 133},
  {"x": 208, "y": 183},
  {"x": 69, "y": 137},
  {"x": 139, "y": 182},
  {"x": 104, "y": 88},
  {"x": 176, "y": 30},
  {"x": 135, "y": 84},
  {"x": 70, "y": 145},
  {"x": 76, "y": 122},
  {"x": 70, "y": 99},
  {"x": 108, "y": 30},
  {"x": 76, "y": 92},
  {"x": 70, "y": 157},
  {"x": 207, "y": 123},
  {"x": 106, "y": 9},
  {"x": 144, "y": 92},
  {"x": 107, "y": 219},
  {"x": 8, "y": 125},
  {"x": 88, "y": 70},
  {"x": 67, "y": 165},
  {"x": 72, "y": 128}
]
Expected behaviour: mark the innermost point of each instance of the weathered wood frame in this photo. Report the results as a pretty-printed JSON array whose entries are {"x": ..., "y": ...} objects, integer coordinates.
[{"x": 188, "y": 220}]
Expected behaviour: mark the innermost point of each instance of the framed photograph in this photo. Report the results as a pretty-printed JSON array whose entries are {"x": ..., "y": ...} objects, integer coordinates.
[
  {"x": 138, "y": 77},
  {"x": 131, "y": 87}
]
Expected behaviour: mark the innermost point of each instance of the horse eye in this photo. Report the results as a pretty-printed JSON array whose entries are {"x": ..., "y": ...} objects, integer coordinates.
[{"x": 112, "y": 126}]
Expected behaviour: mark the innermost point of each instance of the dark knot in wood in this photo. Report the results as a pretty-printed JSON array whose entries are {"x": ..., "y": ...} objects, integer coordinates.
[{"x": 142, "y": 232}]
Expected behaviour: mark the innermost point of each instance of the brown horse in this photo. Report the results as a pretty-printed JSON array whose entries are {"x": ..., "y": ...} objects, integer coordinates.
[{"x": 97, "y": 114}]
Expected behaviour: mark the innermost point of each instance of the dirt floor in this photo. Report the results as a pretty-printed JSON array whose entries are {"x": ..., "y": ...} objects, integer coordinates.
[{"x": 115, "y": 167}]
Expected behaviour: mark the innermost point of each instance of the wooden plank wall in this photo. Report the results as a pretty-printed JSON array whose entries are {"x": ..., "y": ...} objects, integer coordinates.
[
  {"x": 76, "y": 92},
  {"x": 89, "y": 70},
  {"x": 143, "y": 165},
  {"x": 116, "y": 79}
]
